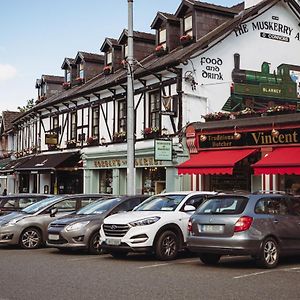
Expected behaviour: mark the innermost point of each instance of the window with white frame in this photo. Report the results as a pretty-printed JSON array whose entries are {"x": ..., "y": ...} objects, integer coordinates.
[
  {"x": 81, "y": 70},
  {"x": 125, "y": 51},
  {"x": 122, "y": 113},
  {"x": 73, "y": 131},
  {"x": 188, "y": 25},
  {"x": 44, "y": 89},
  {"x": 95, "y": 122},
  {"x": 162, "y": 37},
  {"x": 154, "y": 109},
  {"x": 55, "y": 123},
  {"x": 68, "y": 76},
  {"x": 109, "y": 58}
]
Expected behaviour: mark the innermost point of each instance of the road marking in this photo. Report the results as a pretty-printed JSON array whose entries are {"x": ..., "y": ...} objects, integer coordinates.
[
  {"x": 253, "y": 274},
  {"x": 168, "y": 264},
  {"x": 154, "y": 266},
  {"x": 79, "y": 259}
]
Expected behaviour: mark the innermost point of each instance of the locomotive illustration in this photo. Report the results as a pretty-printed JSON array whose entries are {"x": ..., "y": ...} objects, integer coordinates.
[{"x": 258, "y": 89}]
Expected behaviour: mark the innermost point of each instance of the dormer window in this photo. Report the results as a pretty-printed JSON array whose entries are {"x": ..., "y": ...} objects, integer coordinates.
[
  {"x": 162, "y": 37},
  {"x": 109, "y": 58},
  {"x": 188, "y": 25},
  {"x": 81, "y": 71},
  {"x": 44, "y": 89}
]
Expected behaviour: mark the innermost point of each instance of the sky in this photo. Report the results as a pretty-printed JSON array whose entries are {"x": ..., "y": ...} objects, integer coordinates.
[{"x": 36, "y": 36}]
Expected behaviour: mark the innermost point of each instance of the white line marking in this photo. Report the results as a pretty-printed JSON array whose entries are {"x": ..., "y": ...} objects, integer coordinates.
[
  {"x": 168, "y": 264},
  {"x": 154, "y": 266},
  {"x": 253, "y": 274},
  {"x": 86, "y": 258}
]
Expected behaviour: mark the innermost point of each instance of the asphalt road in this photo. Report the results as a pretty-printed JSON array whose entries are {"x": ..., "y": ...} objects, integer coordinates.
[{"x": 49, "y": 274}]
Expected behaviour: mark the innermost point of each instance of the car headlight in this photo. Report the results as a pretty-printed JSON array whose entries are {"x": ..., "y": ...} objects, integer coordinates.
[
  {"x": 12, "y": 222},
  {"x": 142, "y": 222},
  {"x": 77, "y": 226}
]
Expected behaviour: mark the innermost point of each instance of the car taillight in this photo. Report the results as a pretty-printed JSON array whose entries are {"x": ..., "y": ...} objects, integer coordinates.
[
  {"x": 243, "y": 223},
  {"x": 190, "y": 227}
]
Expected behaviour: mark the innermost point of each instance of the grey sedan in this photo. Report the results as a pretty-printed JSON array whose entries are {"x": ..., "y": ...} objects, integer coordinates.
[
  {"x": 28, "y": 228},
  {"x": 81, "y": 230}
]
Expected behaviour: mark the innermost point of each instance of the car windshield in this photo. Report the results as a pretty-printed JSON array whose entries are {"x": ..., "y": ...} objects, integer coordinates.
[
  {"x": 99, "y": 207},
  {"x": 223, "y": 205},
  {"x": 33, "y": 208},
  {"x": 161, "y": 203}
]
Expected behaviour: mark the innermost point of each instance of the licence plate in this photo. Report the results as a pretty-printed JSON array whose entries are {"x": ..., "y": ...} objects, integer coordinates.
[
  {"x": 114, "y": 242},
  {"x": 53, "y": 237},
  {"x": 211, "y": 228}
]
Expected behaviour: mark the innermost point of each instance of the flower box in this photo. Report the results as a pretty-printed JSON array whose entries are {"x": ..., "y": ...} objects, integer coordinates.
[
  {"x": 71, "y": 144},
  {"x": 150, "y": 132},
  {"x": 119, "y": 137},
  {"x": 52, "y": 147},
  {"x": 66, "y": 85},
  {"x": 160, "y": 50},
  {"x": 107, "y": 70},
  {"x": 79, "y": 80},
  {"x": 92, "y": 141},
  {"x": 280, "y": 109},
  {"x": 217, "y": 116},
  {"x": 186, "y": 39}
]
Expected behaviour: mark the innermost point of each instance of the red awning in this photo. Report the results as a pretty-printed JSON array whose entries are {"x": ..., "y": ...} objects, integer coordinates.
[
  {"x": 281, "y": 161},
  {"x": 214, "y": 161}
]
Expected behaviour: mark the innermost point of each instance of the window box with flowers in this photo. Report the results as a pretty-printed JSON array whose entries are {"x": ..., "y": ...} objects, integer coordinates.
[
  {"x": 52, "y": 147},
  {"x": 119, "y": 136},
  {"x": 71, "y": 144},
  {"x": 107, "y": 70},
  {"x": 160, "y": 50},
  {"x": 92, "y": 141},
  {"x": 186, "y": 39},
  {"x": 217, "y": 116},
  {"x": 281, "y": 109},
  {"x": 79, "y": 80},
  {"x": 246, "y": 113},
  {"x": 66, "y": 85},
  {"x": 150, "y": 132}
]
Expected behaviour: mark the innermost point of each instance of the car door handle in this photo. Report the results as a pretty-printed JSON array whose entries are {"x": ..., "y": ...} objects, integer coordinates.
[{"x": 275, "y": 221}]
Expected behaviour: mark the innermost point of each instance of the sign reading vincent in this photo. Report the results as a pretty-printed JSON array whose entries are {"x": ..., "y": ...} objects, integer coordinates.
[{"x": 257, "y": 138}]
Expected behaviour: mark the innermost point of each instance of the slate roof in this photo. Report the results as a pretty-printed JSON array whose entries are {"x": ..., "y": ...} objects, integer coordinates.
[
  {"x": 87, "y": 56},
  {"x": 7, "y": 119},
  {"x": 53, "y": 78}
]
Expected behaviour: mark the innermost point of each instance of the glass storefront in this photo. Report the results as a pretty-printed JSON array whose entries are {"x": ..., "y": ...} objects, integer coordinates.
[{"x": 154, "y": 180}]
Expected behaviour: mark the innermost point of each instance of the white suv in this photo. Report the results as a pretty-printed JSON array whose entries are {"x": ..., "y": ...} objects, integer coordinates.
[{"x": 158, "y": 225}]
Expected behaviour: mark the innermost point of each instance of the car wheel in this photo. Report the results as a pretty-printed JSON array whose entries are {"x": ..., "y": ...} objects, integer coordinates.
[
  {"x": 269, "y": 254},
  {"x": 94, "y": 243},
  {"x": 210, "y": 258},
  {"x": 167, "y": 246},
  {"x": 118, "y": 254},
  {"x": 31, "y": 238}
]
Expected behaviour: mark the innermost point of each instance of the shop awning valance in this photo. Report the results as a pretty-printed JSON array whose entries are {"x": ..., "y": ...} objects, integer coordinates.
[
  {"x": 48, "y": 162},
  {"x": 214, "y": 161},
  {"x": 280, "y": 161}
]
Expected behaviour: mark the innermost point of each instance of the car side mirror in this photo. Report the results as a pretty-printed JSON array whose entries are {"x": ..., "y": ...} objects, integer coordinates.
[
  {"x": 53, "y": 211},
  {"x": 188, "y": 208}
]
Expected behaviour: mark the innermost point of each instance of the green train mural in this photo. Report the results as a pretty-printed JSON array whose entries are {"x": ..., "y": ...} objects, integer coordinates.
[{"x": 259, "y": 89}]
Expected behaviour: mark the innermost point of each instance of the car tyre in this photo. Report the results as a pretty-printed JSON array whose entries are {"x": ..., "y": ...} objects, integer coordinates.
[
  {"x": 94, "y": 243},
  {"x": 167, "y": 246},
  {"x": 269, "y": 254},
  {"x": 31, "y": 238},
  {"x": 210, "y": 258},
  {"x": 118, "y": 254}
]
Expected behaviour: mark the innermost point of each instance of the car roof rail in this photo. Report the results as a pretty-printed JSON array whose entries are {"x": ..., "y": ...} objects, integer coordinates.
[{"x": 270, "y": 192}]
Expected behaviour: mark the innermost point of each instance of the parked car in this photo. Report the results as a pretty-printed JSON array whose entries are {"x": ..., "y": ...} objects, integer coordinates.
[
  {"x": 28, "y": 228},
  {"x": 81, "y": 230},
  {"x": 157, "y": 225},
  {"x": 263, "y": 225},
  {"x": 16, "y": 202}
]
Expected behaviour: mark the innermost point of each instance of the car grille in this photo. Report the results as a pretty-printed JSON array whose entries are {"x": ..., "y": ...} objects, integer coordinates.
[
  {"x": 57, "y": 225},
  {"x": 58, "y": 242},
  {"x": 115, "y": 230}
]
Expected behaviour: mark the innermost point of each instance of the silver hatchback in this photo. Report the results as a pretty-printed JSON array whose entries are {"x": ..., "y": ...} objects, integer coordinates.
[{"x": 264, "y": 226}]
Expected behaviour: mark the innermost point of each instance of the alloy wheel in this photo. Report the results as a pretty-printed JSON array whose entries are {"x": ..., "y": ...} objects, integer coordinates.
[
  {"x": 30, "y": 239},
  {"x": 270, "y": 252}
]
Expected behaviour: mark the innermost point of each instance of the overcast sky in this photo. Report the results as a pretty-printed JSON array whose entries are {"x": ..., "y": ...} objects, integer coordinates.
[{"x": 36, "y": 36}]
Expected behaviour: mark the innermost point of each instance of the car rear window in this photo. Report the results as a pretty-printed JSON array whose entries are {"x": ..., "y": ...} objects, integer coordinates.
[{"x": 223, "y": 205}]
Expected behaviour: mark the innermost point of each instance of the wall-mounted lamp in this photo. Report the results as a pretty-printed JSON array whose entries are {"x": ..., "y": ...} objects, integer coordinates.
[
  {"x": 203, "y": 137},
  {"x": 274, "y": 132},
  {"x": 236, "y": 135}
]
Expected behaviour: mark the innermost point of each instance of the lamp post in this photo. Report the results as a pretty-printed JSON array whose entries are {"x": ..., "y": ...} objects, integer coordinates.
[{"x": 131, "y": 189}]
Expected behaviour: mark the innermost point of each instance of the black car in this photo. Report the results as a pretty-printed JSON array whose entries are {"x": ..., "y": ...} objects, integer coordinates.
[
  {"x": 81, "y": 230},
  {"x": 17, "y": 202}
]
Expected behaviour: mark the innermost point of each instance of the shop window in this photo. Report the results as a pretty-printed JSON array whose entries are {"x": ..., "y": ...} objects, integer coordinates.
[
  {"x": 95, "y": 122},
  {"x": 188, "y": 25},
  {"x": 155, "y": 107},
  {"x": 105, "y": 184},
  {"x": 154, "y": 180}
]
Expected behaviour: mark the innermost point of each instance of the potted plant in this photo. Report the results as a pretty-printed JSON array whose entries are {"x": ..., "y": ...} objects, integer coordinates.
[
  {"x": 186, "y": 39},
  {"x": 119, "y": 136},
  {"x": 107, "y": 70},
  {"x": 66, "y": 85},
  {"x": 52, "y": 147},
  {"x": 160, "y": 50},
  {"x": 71, "y": 143},
  {"x": 92, "y": 140},
  {"x": 79, "y": 80},
  {"x": 150, "y": 132}
]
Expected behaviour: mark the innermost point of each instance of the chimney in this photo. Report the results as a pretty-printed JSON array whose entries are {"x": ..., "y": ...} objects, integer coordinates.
[{"x": 250, "y": 3}]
